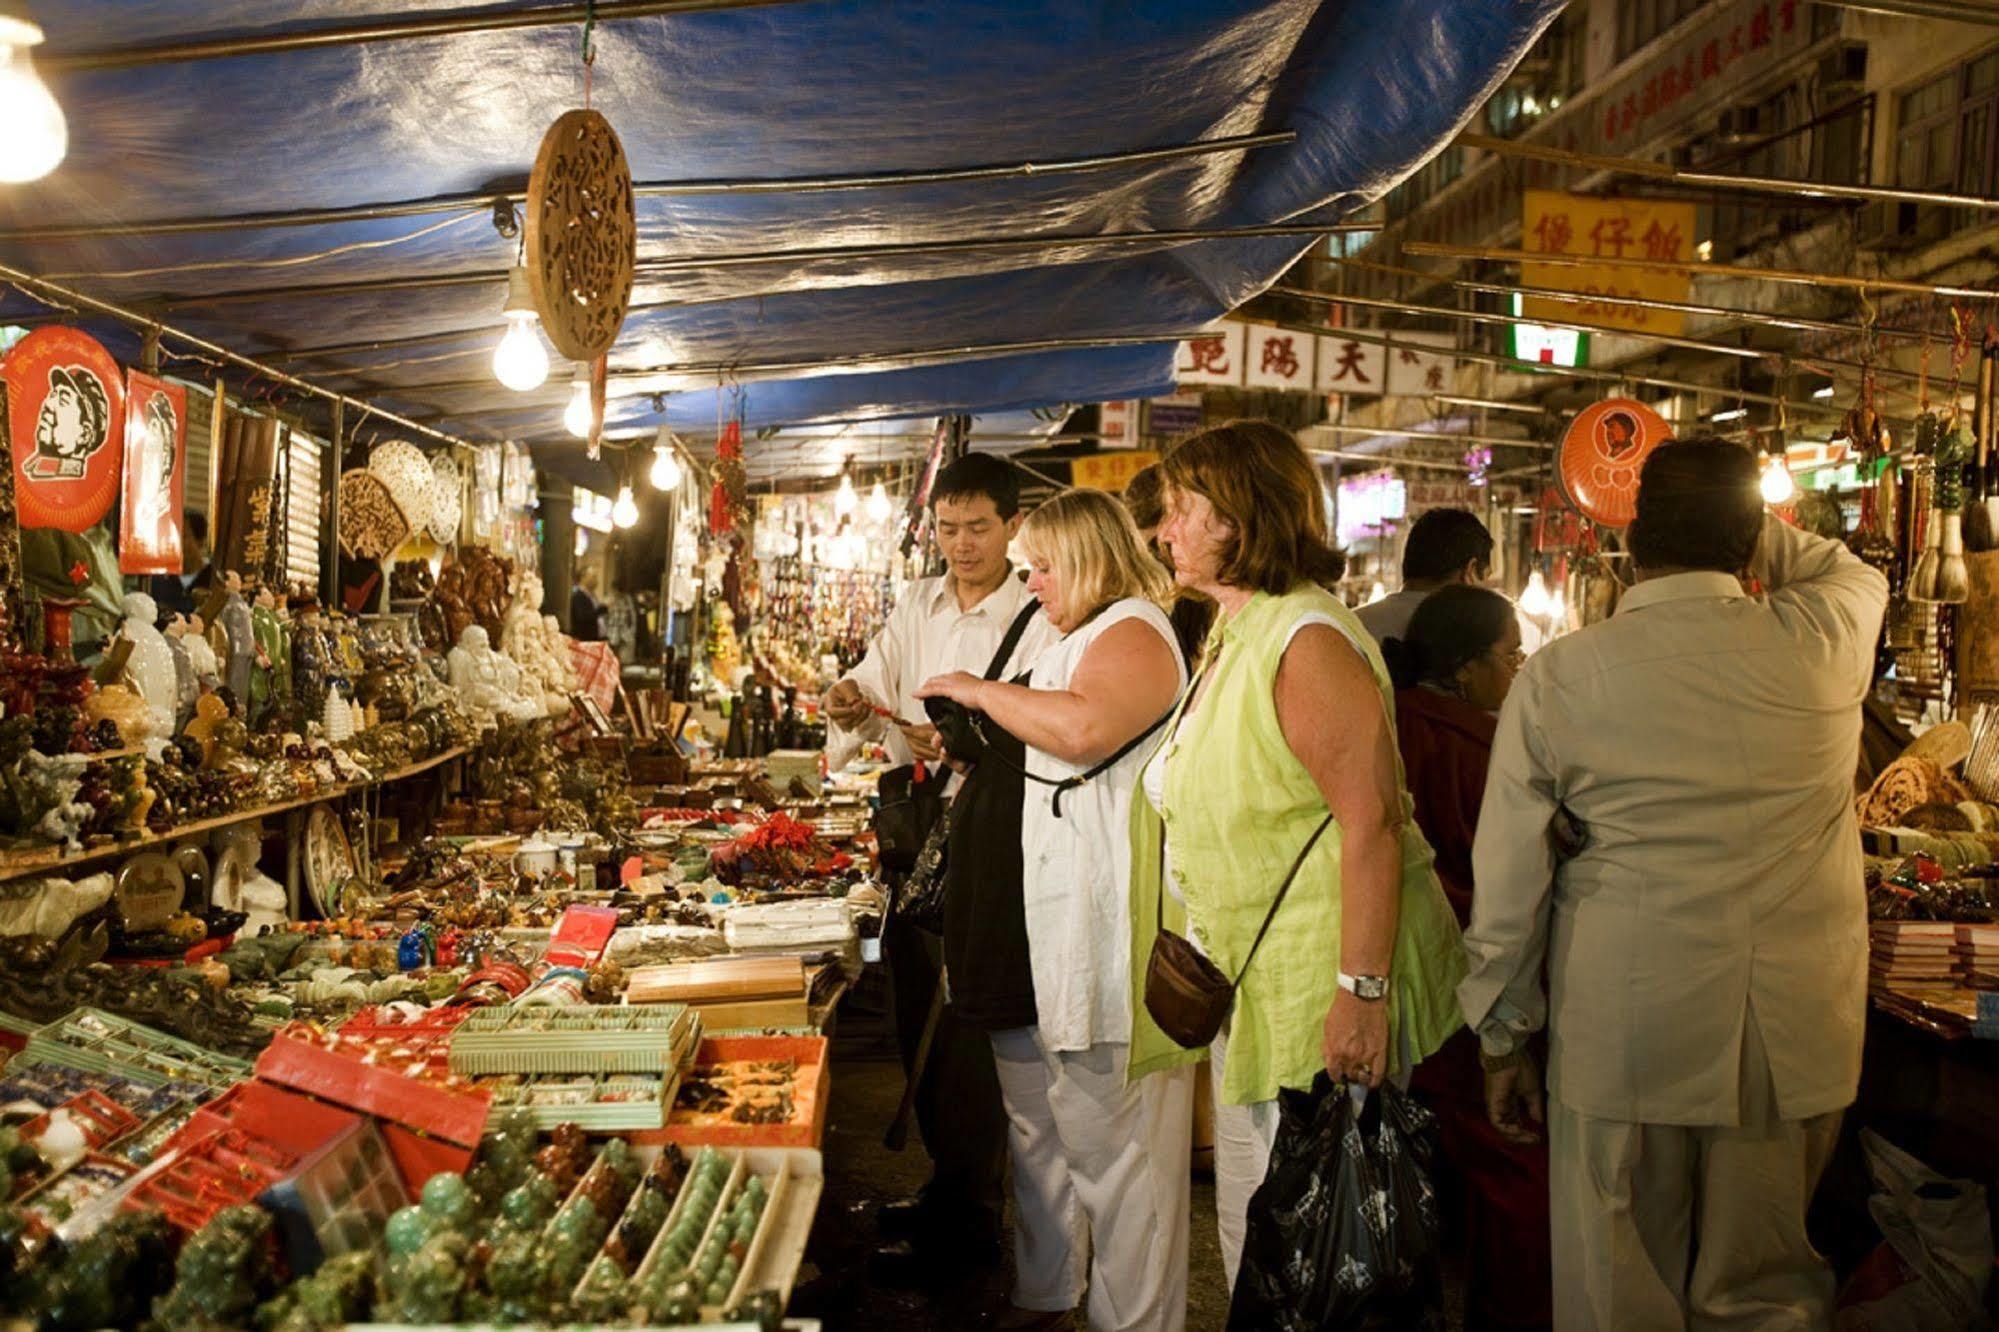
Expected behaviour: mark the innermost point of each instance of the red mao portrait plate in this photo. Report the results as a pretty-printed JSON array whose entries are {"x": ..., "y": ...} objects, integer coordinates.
[
  {"x": 67, "y": 400},
  {"x": 1601, "y": 455}
]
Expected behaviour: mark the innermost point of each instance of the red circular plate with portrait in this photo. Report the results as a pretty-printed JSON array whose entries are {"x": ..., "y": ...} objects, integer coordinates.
[
  {"x": 66, "y": 401},
  {"x": 1601, "y": 454}
]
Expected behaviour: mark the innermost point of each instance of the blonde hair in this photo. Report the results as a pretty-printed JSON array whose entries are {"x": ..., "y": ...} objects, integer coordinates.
[{"x": 1093, "y": 546}]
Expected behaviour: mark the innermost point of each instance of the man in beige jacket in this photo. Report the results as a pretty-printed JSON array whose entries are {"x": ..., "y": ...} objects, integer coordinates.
[{"x": 1702, "y": 929}]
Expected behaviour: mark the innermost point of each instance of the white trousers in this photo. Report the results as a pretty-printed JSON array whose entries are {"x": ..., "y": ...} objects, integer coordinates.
[
  {"x": 1100, "y": 1174},
  {"x": 1244, "y": 1135}
]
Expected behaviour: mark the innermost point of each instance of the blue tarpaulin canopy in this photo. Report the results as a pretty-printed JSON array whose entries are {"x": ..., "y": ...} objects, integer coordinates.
[{"x": 1368, "y": 90}]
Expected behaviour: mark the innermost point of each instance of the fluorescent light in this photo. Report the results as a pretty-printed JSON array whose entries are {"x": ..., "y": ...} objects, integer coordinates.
[
  {"x": 1492, "y": 403},
  {"x": 1825, "y": 392},
  {"x": 1732, "y": 414}
]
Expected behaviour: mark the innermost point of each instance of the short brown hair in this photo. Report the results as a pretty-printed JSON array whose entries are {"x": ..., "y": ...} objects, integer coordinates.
[
  {"x": 1145, "y": 497},
  {"x": 1262, "y": 483}
]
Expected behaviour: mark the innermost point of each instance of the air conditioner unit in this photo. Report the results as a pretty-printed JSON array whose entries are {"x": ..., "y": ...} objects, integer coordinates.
[{"x": 1842, "y": 70}]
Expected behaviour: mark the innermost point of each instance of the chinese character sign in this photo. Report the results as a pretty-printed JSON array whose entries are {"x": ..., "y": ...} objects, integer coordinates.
[
  {"x": 1112, "y": 472},
  {"x": 1414, "y": 369},
  {"x": 1117, "y": 425},
  {"x": 1607, "y": 230},
  {"x": 1279, "y": 359},
  {"x": 1214, "y": 357},
  {"x": 1347, "y": 366}
]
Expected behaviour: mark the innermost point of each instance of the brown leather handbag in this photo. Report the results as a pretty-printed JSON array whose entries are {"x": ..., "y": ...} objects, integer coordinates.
[{"x": 1187, "y": 995}]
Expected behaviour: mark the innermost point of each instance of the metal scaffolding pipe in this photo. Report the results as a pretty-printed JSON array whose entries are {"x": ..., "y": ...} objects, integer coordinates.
[
  {"x": 768, "y": 258},
  {"x": 1933, "y": 9},
  {"x": 1664, "y": 171},
  {"x": 50, "y": 293},
  {"x": 1498, "y": 254},
  {"x": 1447, "y": 436},
  {"x": 1797, "y": 323},
  {"x": 1494, "y": 317},
  {"x": 400, "y": 29},
  {"x": 474, "y": 202}
]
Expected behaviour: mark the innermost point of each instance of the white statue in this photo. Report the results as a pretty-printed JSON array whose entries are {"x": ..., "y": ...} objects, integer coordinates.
[
  {"x": 238, "y": 885},
  {"x": 151, "y": 667},
  {"x": 488, "y": 684},
  {"x": 201, "y": 653},
  {"x": 541, "y": 655}
]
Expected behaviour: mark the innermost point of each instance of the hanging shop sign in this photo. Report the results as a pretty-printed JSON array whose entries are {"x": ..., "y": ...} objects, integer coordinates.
[
  {"x": 1553, "y": 222},
  {"x": 1110, "y": 471},
  {"x": 68, "y": 400},
  {"x": 1117, "y": 424},
  {"x": 1215, "y": 357},
  {"x": 1280, "y": 359},
  {"x": 149, "y": 537},
  {"x": 1601, "y": 455},
  {"x": 1350, "y": 367},
  {"x": 1179, "y": 414},
  {"x": 1416, "y": 368},
  {"x": 1366, "y": 506},
  {"x": 581, "y": 236}
]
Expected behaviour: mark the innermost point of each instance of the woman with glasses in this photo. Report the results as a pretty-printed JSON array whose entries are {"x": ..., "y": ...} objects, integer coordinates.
[{"x": 1453, "y": 669}]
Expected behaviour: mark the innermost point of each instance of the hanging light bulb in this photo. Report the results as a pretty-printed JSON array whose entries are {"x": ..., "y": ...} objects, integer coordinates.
[
  {"x": 845, "y": 500},
  {"x": 665, "y": 474},
  {"x": 1776, "y": 483},
  {"x": 625, "y": 513},
  {"x": 37, "y": 136},
  {"x": 878, "y": 506},
  {"x": 1534, "y": 597},
  {"x": 576, "y": 417},
  {"x": 520, "y": 361}
]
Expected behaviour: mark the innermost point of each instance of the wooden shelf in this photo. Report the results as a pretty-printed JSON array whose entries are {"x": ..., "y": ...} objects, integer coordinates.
[{"x": 54, "y": 860}]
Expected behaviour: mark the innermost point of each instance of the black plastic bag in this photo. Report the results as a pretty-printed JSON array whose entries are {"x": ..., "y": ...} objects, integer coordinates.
[{"x": 1343, "y": 1231}]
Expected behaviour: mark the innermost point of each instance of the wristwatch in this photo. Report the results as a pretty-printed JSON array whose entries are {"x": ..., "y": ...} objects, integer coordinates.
[{"x": 1371, "y": 988}]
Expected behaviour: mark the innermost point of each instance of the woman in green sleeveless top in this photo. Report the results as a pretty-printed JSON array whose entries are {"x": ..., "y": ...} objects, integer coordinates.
[{"x": 1290, "y": 719}]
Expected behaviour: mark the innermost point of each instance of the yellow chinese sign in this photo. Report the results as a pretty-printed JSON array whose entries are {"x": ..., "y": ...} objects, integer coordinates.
[
  {"x": 1606, "y": 230},
  {"x": 1110, "y": 471}
]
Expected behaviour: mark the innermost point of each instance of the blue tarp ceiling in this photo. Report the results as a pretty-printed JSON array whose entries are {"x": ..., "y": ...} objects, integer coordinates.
[{"x": 1371, "y": 89}]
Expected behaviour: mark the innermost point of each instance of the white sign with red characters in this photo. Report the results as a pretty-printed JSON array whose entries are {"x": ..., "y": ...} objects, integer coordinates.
[
  {"x": 1414, "y": 370},
  {"x": 1280, "y": 359},
  {"x": 1347, "y": 366},
  {"x": 1215, "y": 357}
]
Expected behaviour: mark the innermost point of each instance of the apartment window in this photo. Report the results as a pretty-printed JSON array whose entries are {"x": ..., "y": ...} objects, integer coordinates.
[
  {"x": 1429, "y": 179},
  {"x": 1639, "y": 22},
  {"x": 1946, "y": 129}
]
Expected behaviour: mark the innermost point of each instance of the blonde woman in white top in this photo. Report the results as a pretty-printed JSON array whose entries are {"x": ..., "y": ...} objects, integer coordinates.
[{"x": 1099, "y": 1167}]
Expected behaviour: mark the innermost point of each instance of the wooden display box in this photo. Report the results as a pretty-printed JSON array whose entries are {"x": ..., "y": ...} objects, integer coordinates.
[{"x": 810, "y": 1091}]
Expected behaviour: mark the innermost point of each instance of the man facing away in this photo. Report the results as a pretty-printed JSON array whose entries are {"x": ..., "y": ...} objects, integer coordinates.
[
  {"x": 1704, "y": 931},
  {"x": 1444, "y": 546},
  {"x": 952, "y": 623}
]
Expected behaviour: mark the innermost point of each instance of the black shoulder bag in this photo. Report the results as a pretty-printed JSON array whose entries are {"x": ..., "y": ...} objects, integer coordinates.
[{"x": 922, "y": 895}]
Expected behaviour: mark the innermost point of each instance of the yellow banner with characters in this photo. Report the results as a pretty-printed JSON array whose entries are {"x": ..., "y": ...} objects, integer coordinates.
[
  {"x": 1553, "y": 222},
  {"x": 1110, "y": 471}
]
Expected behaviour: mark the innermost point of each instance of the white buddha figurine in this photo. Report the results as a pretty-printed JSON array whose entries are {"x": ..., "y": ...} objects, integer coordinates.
[
  {"x": 488, "y": 684},
  {"x": 151, "y": 666}
]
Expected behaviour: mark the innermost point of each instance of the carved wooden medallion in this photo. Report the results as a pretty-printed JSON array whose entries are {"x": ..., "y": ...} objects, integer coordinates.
[{"x": 582, "y": 235}]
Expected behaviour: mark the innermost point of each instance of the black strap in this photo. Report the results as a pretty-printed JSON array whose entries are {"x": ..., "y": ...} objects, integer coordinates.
[
  {"x": 1012, "y": 639},
  {"x": 1064, "y": 785}
]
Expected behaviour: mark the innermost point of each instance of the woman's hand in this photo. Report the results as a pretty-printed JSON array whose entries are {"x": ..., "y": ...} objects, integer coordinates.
[
  {"x": 1356, "y": 1040},
  {"x": 961, "y": 687}
]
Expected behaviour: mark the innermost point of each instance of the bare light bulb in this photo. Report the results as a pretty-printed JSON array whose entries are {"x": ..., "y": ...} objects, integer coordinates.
[
  {"x": 520, "y": 361},
  {"x": 878, "y": 506},
  {"x": 625, "y": 513},
  {"x": 576, "y": 416},
  {"x": 844, "y": 499},
  {"x": 1534, "y": 597},
  {"x": 665, "y": 474},
  {"x": 1776, "y": 483},
  {"x": 37, "y": 136}
]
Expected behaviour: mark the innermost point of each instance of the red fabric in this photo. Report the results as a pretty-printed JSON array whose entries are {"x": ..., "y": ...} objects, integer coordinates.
[
  {"x": 1499, "y": 1189},
  {"x": 1446, "y": 747},
  {"x": 1498, "y": 1192}
]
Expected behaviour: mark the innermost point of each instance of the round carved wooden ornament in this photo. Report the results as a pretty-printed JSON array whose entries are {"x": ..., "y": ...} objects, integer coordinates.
[{"x": 582, "y": 235}]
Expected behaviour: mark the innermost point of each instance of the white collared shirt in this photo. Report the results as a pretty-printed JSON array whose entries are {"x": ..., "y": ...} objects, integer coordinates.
[
  {"x": 928, "y": 635},
  {"x": 1706, "y": 741}
]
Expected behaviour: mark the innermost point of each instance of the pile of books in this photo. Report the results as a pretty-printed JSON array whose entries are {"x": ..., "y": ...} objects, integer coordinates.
[
  {"x": 1978, "y": 956},
  {"x": 1911, "y": 955}
]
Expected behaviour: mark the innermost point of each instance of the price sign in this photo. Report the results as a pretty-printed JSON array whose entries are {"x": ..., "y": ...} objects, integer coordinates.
[{"x": 1606, "y": 230}]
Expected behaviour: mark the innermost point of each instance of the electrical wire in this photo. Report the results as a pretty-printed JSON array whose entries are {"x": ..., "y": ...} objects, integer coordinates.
[{"x": 293, "y": 261}]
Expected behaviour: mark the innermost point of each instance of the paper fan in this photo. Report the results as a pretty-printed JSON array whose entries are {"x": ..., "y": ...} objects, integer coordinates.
[
  {"x": 407, "y": 473},
  {"x": 371, "y": 522},
  {"x": 447, "y": 491}
]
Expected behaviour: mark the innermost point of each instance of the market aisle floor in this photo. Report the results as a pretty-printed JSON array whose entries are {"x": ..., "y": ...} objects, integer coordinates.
[{"x": 861, "y": 1175}]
